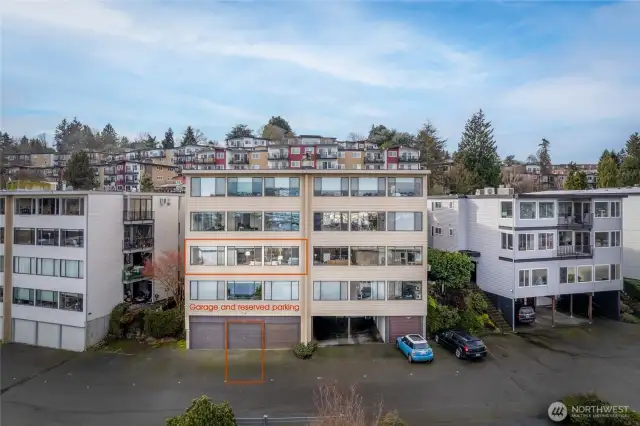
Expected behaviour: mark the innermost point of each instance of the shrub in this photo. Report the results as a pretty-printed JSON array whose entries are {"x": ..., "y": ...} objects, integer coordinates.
[
  {"x": 629, "y": 418},
  {"x": 632, "y": 288},
  {"x": 203, "y": 412},
  {"x": 630, "y": 318},
  {"x": 441, "y": 316},
  {"x": 392, "y": 418},
  {"x": 313, "y": 345},
  {"x": 159, "y": 323},
  {"x": 477, "y": 302},
  {"x": 471, "y": 321},
  {"x": 117, "y": 327},
  {"x": 303, "y": 351},
  {"x": 625, "y": 309}
]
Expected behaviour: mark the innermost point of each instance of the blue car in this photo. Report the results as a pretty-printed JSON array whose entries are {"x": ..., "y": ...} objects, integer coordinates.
[{"x": 415, "y": 348}]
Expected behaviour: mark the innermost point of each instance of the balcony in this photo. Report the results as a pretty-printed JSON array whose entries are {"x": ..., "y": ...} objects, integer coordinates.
[
  {"x": 132, "y": 171},
  {"x": 239, "y": 160},
  {"x": 328, "y": 155},
  {"x": 278, "y": 156},
  {"x": 132, "y": 244},
  {"x": 137, "y": 216},
  {"x": 132, "y": 273},
  {"x": 374, "y": 159},
  {"x": 574, "y": 252},
  {"x": 406, "y": 158},
  {"x": 575, "y": 221},
  {"x": 279, "y": 166},
  {"x": 326, "y": 166}
]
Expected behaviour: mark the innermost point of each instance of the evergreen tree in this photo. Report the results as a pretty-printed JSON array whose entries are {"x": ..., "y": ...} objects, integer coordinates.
[
  {"x": 109, "y": 137},
  {"x": 272, "y": 132},
  {"x": 189, "y": 137},
  {"x": 608, "y": 171},
  {"x": 281, "y": 123},
  {"x": 146, "y": 183},
  {"x": 168, "y": 142},
  {"x": 239, "y": 131},
  {"x": 61, "y": 136},
  {"x": 150, "y": 142},
  {"x": 544, "y": 157},
  {"x": 433, "y": 152},
  {"x": 630, "y": 168},
  {"x": 576, "y": 178},
  {"x": 381, "y": 135},
  {"x": 510, "y": 161},
  {"x": 78, "y": 172},
  {"x": 478, "y": 152}
]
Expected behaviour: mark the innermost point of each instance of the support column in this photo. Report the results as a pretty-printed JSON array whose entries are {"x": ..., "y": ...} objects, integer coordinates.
[
  {"x": 7, "y": 326},
  {"x": 348, "y": 330},
  {"x": 571, "y": 305},
  {"x": 553, "y": 311},
  {"x": 590, "y": 308},
  {"x": 306, "y": 291}
]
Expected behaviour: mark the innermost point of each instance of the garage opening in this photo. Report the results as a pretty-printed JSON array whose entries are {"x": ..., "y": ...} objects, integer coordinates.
[{"x": 330, "y": 331}]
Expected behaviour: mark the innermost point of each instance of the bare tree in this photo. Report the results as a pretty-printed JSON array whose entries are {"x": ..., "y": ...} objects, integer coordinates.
[
  {"x": 167, "y": 271},
  {"x": 518, "y": 181},
  {"x": 338, "y": 408},
  {"x": 355, "y": 137}
]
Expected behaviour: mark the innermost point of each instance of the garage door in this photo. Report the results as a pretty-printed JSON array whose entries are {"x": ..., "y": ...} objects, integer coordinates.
[
  {"x": 280, "y": 336},
  {"x": 205, "y": 335},
  {"x": 49, "y": 335},
  {"x": 244, "y": 336},
  {"x": 208, "y": 332},
  {"x": 399, "y": 326},
  {"x": 24, "y": 331},
  {"x": 72, "y": 338}
]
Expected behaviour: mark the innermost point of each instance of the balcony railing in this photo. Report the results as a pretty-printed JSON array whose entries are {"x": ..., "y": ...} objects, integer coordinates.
[
  {"x": 373, "y": 159},
  {"x": 278, "y": 156},
  {"x": 574, "y": 251},
  {"x": 137, "y": 215},
  {"x": 204, "y": 160},
  {"x": 137, "y": 243},
  {"x": 409, "y": 158},
  {"x": 132, "y": 273},
  {"x": 239, "y": 160},
  {"x": 576, "y": 220},
  {"x": 328, "y": 155}
]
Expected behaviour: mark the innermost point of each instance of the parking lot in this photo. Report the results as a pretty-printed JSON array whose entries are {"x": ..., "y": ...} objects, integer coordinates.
[{"x": 514, "y": 385}]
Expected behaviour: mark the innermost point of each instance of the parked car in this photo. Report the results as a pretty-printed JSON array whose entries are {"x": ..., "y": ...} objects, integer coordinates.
[
  {"x": 415, "y": 348},
  {"x": 526, "y": 315},
  {"x": 463, "y": 344}
]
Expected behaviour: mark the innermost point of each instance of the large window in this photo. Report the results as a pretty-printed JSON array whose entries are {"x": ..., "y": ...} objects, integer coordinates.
[
  {"x": 25, "y": 206},
  {"x": 281, "y": 290},
  {"x": 244, "y": 187},
  {"x": 278, "y": 256},
  {"x": 601, "y": 239},
  {"x": 244, "y": 221},
  {"x": 405, "y": 187},
  {"x": 507, "y": 241},
  {"x": 545, "y": 241},
  {"x": 48, "y": 237},
  {"x": 367, "y": 256},
  {"x": 248, "y": 256},
  {"x": 506, "y": 209},
  {"x": 207, "y": 221},
  {"x": 23, "y": 296},
  {"x": 367, "y": 290},
  {"x": 206, "y": 290},
  {"x": 47, "y": 299},
  {"x": 281, "y": 221},
  {"x": 404, "y": 290},
  {"x": 602, "y": 272},
  {"x": 49, "y": 206},
  {"x": 331, "y": 221},
  {"x": 367, "y": 221},
  {"x": 539, "y": 277},
  {"x": 73, "y": 206},
  {"x": 527, "y": 210},
  {"x": 72, "y": 268},
  {"x": 567, "y": 274},
  {"x": 24, "y": 265},
  {"x": 72, "y": 237},
  {"x": 282, "y": 187},
  {"x": 209, "y": 256},
  {"x": 404, "y": 221},
  {"x": 48, "y": 267},
  {"x": 244, "y": 290},
  {"x": 402, "y": 256},
  {"x": 585, "y": 274},
  {"x": 330, "y": 290},
  {"x": 71, "y": 301},
  {"x": 26, "y": 236},
  {"x": 602, "y": 209},
  {"x": 208, "y": 187},
  {"x": 331, "y": 255},
  {"x": 546, "y": 209},
  {"x": 331, "y": 187},
  {"x": 526, "y": 242},
  {"x": 368, "y": 187}
]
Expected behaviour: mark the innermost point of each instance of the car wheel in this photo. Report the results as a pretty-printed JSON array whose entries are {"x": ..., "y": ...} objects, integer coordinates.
[
  {"x": 410, "y": 359},
  {"x": 437, "y": 339},
  {"x": 458, "y": 353},
  {"x": 397, "y": 345}
]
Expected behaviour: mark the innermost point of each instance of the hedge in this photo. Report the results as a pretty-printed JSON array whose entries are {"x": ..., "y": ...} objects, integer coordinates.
[
  {"x": 203, "y": 412},
  {"x": 632, "y": 288},
  {"x": 169, "y": 323},
  {"x": 629, "y": 418}
]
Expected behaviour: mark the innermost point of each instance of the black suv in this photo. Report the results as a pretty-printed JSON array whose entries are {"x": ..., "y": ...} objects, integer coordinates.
[{"x": 464, "y": 345}]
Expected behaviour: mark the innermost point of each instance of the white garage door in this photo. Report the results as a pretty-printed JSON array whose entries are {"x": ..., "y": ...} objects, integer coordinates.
[
  {"x": 24, "y": 331},
  {"x": 49, "y": 335},
  {"x": 72, "y": 338}
]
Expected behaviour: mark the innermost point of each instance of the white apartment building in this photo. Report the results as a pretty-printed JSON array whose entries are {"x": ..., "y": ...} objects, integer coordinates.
[
  {"x": 272, "y": 253},
  {"x": 538, "y": 248},
  {"x": 631, "y": 232},
  {"x": 68, "y": 257}
]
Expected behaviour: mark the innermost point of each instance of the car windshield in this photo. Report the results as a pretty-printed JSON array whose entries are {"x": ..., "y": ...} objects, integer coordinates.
[{"x": 420, "y": 346}]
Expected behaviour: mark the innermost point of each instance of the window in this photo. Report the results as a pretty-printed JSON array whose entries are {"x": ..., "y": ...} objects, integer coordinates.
[
  {"x": 331, "y": 187},
  {"x": 331, "y": 255},
  {"x": 567, "y": 275},
  {"x": 206, "y": 290},
  {"x": 241, "y": 221},
  {"x": 368, "y": 221},
  {"x": 281, "y": 290},
  {"x": 72, "y": 206},
  {"x": 48, "y": 206},
  {"x": 507, "y": 241},
  {"x": 404, "y": 256},
  {"x": 282, "y": 187},
  {"x": 72, "y": 268},
  {"x": 72, "y": 237},
  {"x": 405, "y": 187},
  {"x": 367, "y": 256},
  {"x": 615, "y": 239},
  {"x": 368, "y": 187},
  {"x": 207, "y": 221},
  {"x": 248, "y": 256},
  {"x": 524, "y": 278},
  {"x": 25, "y": 206},
  {"x": 435, "y": 205},
  {"x": 295, "y": 150},
  {"x": 545, "y": 241},
  {"x": 24, "y": 265},
  {"x": 615, "y": 209},
  {"x": 48, "y": 237},
  {"x": 23, "y": 296},
  {"x": 244, "y": 290},
  {"x": 1, "y": 262},
  {"x": 601, "y": 272},
  {"x": 404, "y": 221},
  {"x": 208, "y": 187},
  {"x": 330, "y": 290},
  {"x": 404, "y": 290},
  {"x": 47, "y": 267},
  {"x": 47, "y": 299},
  {"x": 546, "y": 210},
  {"x": 1, "y": 294},
  {"x": 367, "y": 290},
  {"x": 539, "y": 277},
  {"x": 585, "y": 274},
  {"x": 615, "y": 271},
  {"x": 277, "y": 256},
  {"x": 295, "y": 164},
  {"x": 526, "y": 242},
  {"x": 450, "y": 204},
  {"x": 281, "y": 221},
  {"x": 438, "y": 230},
  {"x": 2, "y": 203},
  {"x": 331, "y": 221},
  {"x": 25, "y": 236},
  {"x": 602, "y": 209},
  {"x": 244, "y": 187},
  {"x": 209, "y": 256},
  {"x": 527, "y": 210},
  {"x": 451, "y": 232},
  {"x": 506, "y": 209},
  {"x": 393, "y": 154},
  {"x": 601, "y": 239},
  {"x": 71, "y": 301},
  {"x": 1, "y": 235},
  {"x": 255, "y": 156}
]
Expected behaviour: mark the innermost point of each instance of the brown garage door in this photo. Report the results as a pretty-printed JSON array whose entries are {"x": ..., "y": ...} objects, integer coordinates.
[
  {"x": 279, "y": 336},
  {"x": 399, "y": 326},
  {"x": 207, "y": 332},
  {"x": 244, "y": 335},
  {"x": 205, "y": 335}
]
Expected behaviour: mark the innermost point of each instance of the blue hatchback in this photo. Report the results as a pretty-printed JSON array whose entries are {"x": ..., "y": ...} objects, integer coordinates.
[{"x": 415, "y": 348}]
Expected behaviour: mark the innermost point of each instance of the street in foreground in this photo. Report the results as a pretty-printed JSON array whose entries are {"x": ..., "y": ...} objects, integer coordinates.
[{"x": 514, "y": 385}]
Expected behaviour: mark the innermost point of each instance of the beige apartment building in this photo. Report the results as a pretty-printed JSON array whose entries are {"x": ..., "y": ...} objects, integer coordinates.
[{"x": 272, "y": 256}]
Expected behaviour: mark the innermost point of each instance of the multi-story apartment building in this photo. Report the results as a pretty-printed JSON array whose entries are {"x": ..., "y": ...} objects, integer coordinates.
[
  {"x": 69, "y": 257},
  {"x": 127, "y": 175},
  {"x": 537, "y": 248},
  {"x": 287, "y": 247},
  {"x": 630, "y": 231}
]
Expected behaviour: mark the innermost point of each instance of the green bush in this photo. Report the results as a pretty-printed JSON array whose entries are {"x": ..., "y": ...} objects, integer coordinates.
[
  {"x": 313, "y": 346},
  {"x": 303, "y": 351},
  {"x": 630, "y": 318},
  {"x": 629, "y": 418},
  {"x": 441, "y": 316},
  {"x": 625, "y": 309},
  {"x": 158, "y": 323},
  {"x": 117, "y": 327},
  {"x": 203, "y": 412},
  {"x": 632, "y": 288},
  {"x": 471, "y": 321},
  {"x": 392, "y": 418},
  {"x": 477, "y": 302}
]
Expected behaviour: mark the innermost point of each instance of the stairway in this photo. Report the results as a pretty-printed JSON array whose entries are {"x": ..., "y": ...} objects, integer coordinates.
[{"x": 494, "y": 314}]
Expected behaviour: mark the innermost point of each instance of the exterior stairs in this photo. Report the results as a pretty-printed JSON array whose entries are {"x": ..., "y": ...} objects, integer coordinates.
[{"x": 494, "y": 314}]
